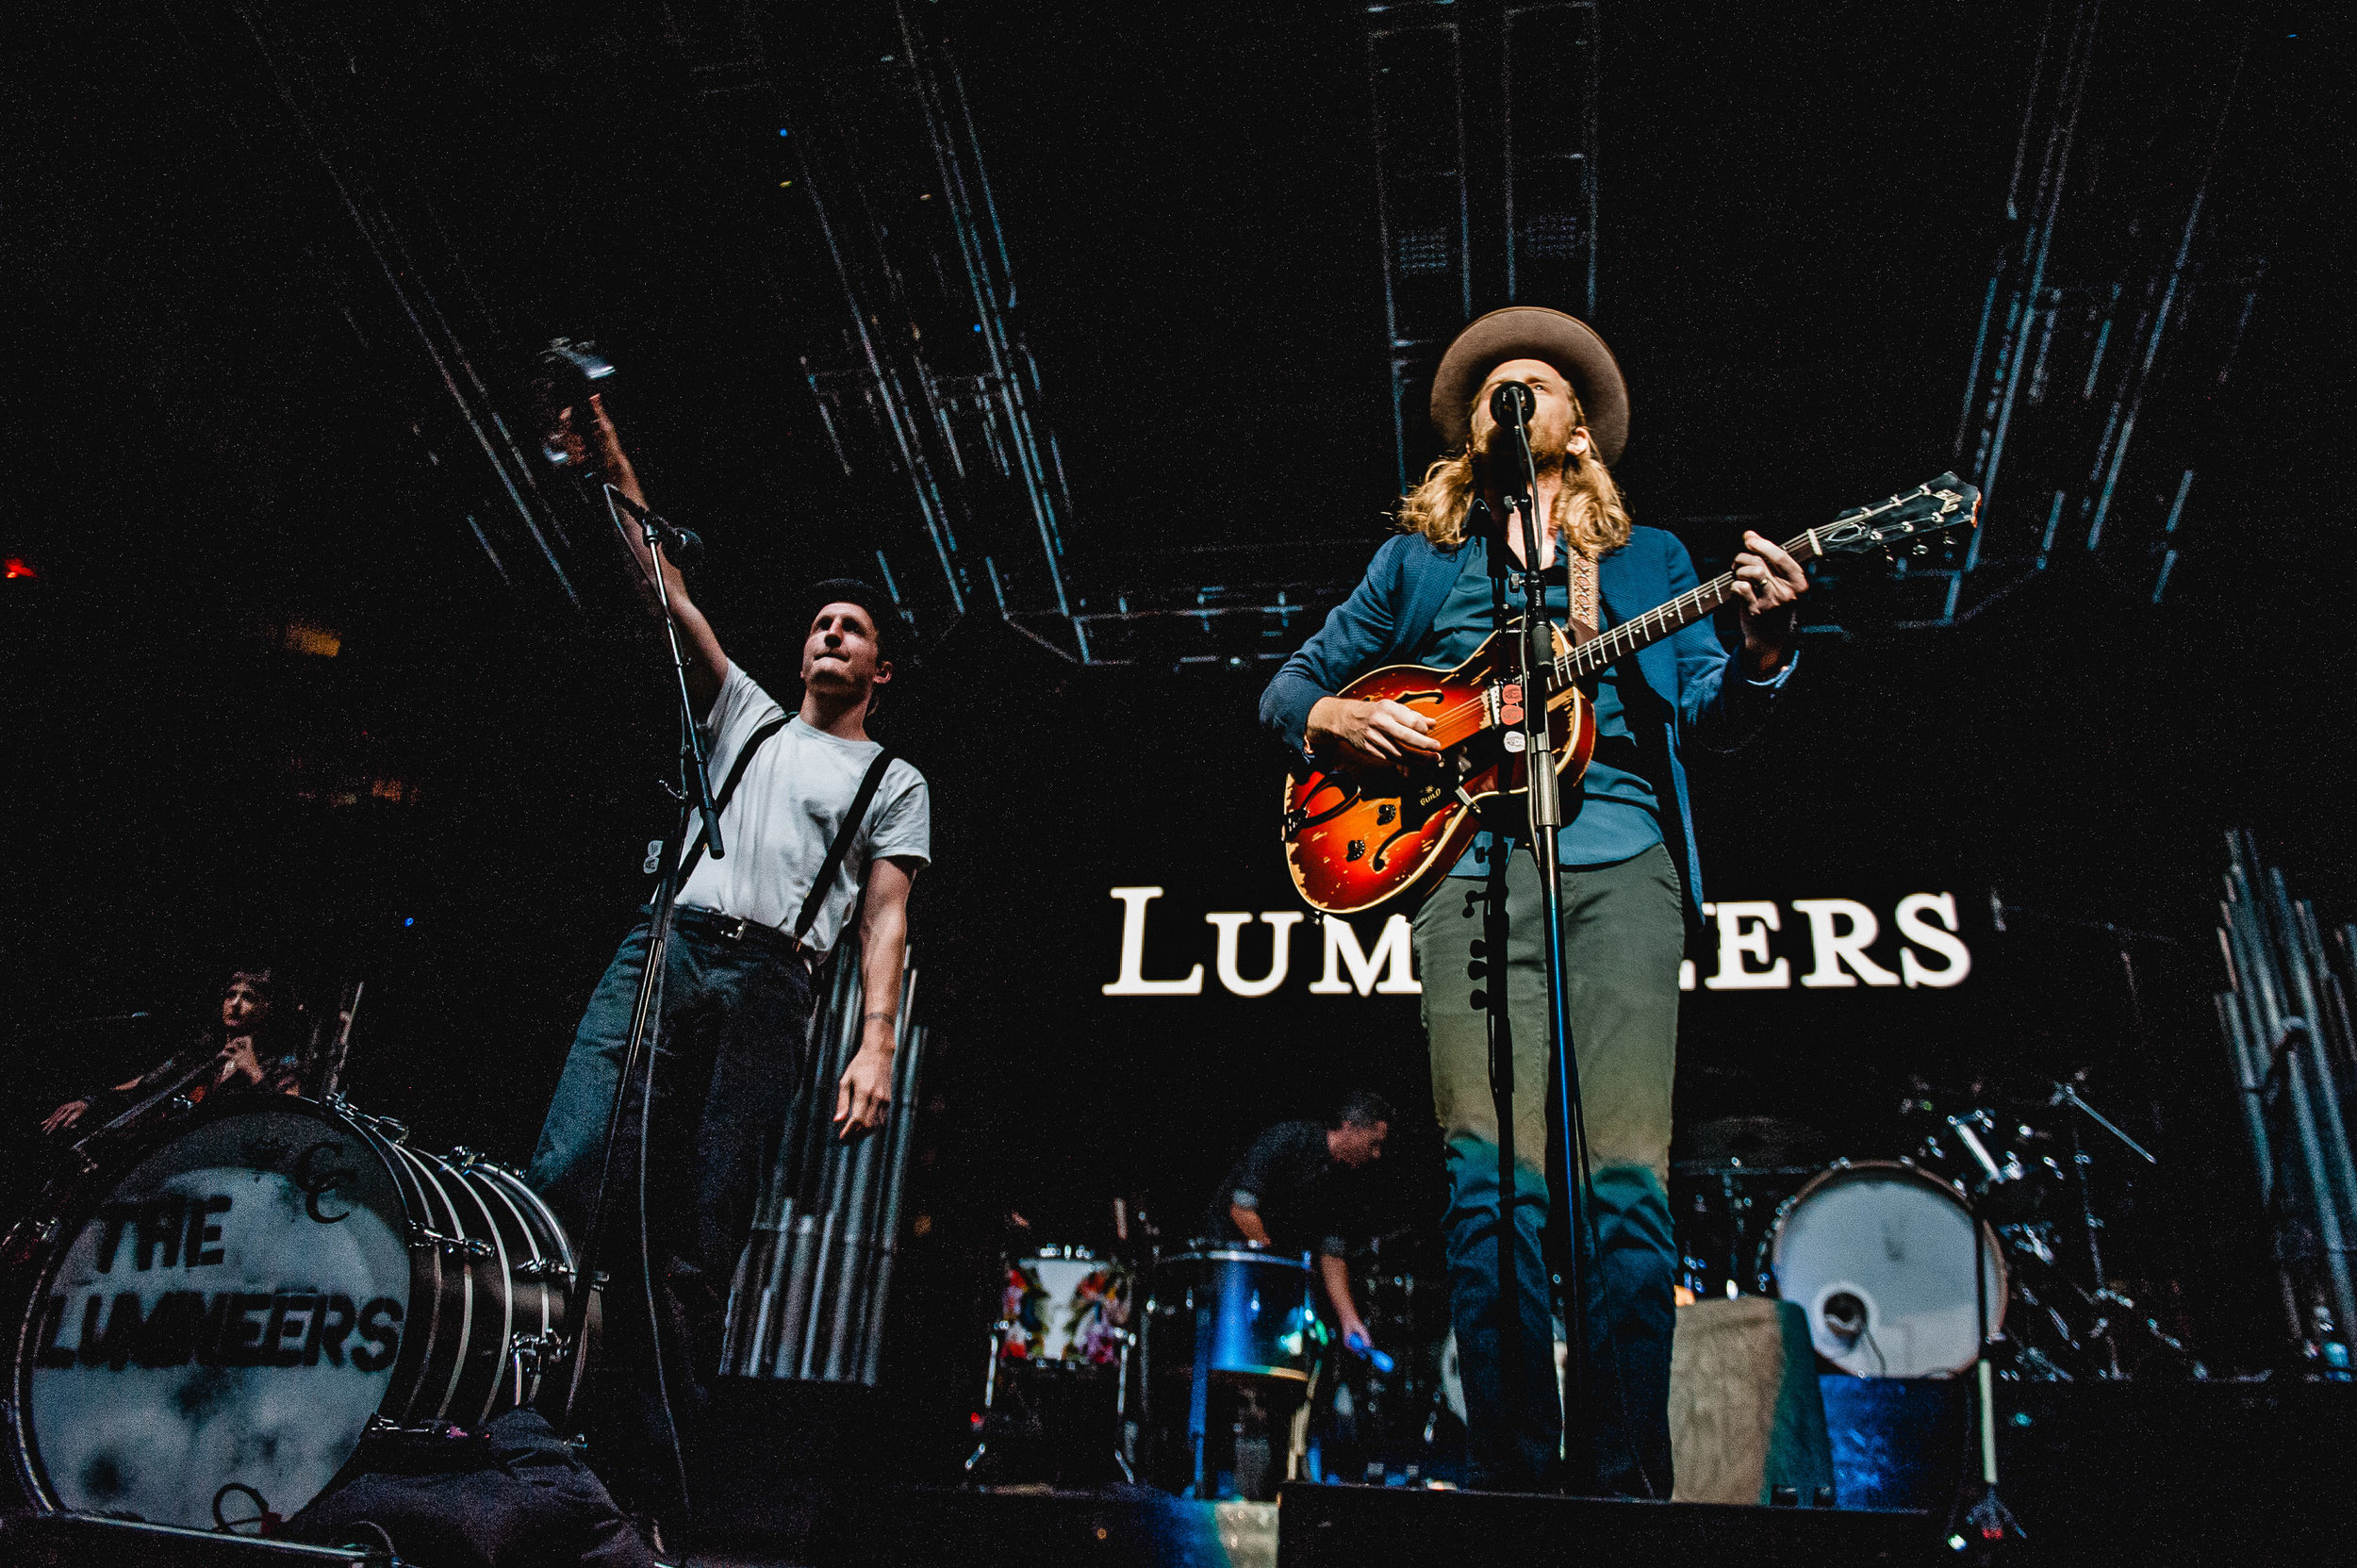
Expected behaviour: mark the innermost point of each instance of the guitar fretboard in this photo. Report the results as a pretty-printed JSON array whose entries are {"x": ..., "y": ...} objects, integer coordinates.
[{"x": 1591, "y": 658}]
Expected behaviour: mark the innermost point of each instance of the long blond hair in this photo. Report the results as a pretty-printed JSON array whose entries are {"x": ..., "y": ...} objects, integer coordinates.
[{"x": 1589, "y": 509}]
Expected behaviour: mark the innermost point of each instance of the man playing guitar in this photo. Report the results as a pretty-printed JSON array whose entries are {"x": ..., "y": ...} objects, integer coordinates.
[{"x": 1630, "y": 881}]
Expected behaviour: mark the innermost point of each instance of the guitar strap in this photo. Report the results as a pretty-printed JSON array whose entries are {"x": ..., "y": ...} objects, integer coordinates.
[{"x": 1584, "y": 606}]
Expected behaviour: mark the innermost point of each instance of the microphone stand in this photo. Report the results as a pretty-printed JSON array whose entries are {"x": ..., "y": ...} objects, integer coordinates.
[
  {"x": 694, "y": 795},
  {"x": 1532, "y": 670},
  {"x": 1980, "y": 1518}
]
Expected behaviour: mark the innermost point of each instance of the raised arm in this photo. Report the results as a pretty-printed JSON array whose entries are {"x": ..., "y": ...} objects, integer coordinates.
[{"x": 707, "y": 666}]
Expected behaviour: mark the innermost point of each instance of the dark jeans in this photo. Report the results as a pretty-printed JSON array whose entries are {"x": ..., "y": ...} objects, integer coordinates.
[
  {"x": 729, "y": 1061},
  {"x": 1623, "y": 930}
]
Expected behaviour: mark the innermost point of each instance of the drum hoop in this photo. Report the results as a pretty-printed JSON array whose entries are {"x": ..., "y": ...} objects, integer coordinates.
[
  {"x": 496, "y": 1180},
  {"x": 506, "y": 1279},
  {"x": 78, "y": 1206},
  {"x": 1240, "y": 1255},
  {"x": 456, "y": 1227}
]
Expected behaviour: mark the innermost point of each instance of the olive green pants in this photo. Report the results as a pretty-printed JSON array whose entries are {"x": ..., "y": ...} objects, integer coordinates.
[{"x": 1624, "y": 932}]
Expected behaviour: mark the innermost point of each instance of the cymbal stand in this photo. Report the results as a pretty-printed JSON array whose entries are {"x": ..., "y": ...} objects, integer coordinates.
[{"x": 2105, "y": 1299}]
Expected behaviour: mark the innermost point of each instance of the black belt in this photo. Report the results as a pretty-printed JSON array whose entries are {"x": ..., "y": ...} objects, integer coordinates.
[{"x": 736, "y": 927}]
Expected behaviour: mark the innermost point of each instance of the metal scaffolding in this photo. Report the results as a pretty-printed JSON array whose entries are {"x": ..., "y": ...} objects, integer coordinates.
[
  {"x": 1484, "y": 116},
  {"x": 383, "y": 258},
  {"x": 855, "y": 119},
  {"x": 2114, "y": 310}
]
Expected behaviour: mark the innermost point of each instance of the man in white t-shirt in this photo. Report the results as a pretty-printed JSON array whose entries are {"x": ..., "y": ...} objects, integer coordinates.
[{"x": 746, "y": 933}]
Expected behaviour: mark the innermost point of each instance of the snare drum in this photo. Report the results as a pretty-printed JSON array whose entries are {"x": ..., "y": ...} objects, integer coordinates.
[
  {"x": 1879, "y": 1255},
  {"x": 234, "y": 1310}
]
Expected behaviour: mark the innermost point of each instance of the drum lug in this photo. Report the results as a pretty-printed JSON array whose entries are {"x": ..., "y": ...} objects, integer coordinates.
[
  {"x": 534, "y": 1354},
  {"x": 384, "y": 1126},
  {"x": 422, "y": 1239},
  {"x": 544, "y": 1268},
  {"x": 467, "y": 1159}
]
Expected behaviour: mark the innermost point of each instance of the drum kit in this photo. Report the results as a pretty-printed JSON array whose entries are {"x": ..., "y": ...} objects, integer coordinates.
[
  {"x": 208, "y": 1327},
  {"x": 1221, "y": 1357},
  {"x": 1880, "y": 1253}
]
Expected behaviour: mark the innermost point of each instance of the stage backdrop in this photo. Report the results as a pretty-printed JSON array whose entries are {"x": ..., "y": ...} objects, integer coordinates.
[{"x": 1135, "y": 988}]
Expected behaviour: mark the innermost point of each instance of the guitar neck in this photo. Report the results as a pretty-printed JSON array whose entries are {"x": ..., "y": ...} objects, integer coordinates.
[{"x": 1591, "y": 658}]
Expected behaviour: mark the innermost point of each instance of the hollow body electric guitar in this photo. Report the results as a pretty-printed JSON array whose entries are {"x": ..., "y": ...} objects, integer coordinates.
[{"x": 1360, "y": 834}]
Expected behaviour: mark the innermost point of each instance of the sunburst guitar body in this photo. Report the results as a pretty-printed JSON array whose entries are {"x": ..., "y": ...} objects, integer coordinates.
[
  {"x": 1360, "y": 837},
  {"x": 1359, "y": 834}
]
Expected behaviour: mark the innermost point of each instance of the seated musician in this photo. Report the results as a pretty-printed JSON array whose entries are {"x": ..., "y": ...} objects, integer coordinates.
[
  {"x": 256, "y": 1046},
  {"x": 1290, "y": 1192}
]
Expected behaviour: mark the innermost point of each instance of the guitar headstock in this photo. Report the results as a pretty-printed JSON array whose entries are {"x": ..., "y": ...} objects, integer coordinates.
[{"x": 1943, "y": 504}]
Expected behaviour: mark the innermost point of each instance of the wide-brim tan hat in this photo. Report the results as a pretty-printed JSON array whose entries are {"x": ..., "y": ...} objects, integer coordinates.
[{"x": 1531, "y": 332}]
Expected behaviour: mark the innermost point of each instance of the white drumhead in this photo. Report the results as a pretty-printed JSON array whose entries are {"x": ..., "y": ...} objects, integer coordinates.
[
  {"x": 1880, "y": 1256},
  {"x": 229, "y": 1317},
  {"x": 1068, "y": 1311}
]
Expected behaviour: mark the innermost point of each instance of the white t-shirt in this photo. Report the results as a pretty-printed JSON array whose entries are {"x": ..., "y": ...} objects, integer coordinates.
[{"x": 786, "y": 812}]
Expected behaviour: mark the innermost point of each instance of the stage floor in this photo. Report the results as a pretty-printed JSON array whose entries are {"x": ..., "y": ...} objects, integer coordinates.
[{"x": 2130, "y": 1473}]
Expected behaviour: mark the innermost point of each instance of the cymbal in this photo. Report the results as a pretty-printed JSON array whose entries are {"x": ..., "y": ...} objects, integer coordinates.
[{"x": 1752, "y": 1142}]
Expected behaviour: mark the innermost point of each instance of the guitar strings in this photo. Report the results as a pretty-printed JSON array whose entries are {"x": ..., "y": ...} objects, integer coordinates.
[{"x": 1706, "y": 598}]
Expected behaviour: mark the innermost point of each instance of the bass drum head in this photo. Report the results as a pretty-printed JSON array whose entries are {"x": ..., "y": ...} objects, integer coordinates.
[
  {"x": 1879, "y": 1256},
  {"x": 224, "y": 1315}
]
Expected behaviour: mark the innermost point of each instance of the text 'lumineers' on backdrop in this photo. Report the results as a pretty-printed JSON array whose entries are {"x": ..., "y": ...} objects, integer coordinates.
[{"x": 1745, "y": 933}]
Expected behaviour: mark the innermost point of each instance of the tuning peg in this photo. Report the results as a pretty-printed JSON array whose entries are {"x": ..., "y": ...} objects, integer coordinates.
[
  {"x": 1922, "y": 549},
  {"x": 1475, "y": 970},
  {"x": 1479, "y": 999},
  {"x": 1477, "y": 947}
]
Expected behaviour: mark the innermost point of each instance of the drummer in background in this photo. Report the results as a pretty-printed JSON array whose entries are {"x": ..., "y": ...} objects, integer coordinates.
[{"x": 1293, "y": 1192}]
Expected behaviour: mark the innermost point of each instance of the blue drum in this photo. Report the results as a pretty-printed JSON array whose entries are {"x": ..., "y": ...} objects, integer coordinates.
[
  {"x": 1240, "y": 1312},
  {"x": 1241, "y": 1320}
]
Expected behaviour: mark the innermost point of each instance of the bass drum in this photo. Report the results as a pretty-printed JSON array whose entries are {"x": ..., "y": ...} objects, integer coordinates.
[
  {"x": 1879, "y": 1254},
  {"x": 210, "y": 1330}
]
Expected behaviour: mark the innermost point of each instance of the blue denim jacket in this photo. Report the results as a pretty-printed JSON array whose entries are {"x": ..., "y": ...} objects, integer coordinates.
[{"x": 1387, "y": 619}]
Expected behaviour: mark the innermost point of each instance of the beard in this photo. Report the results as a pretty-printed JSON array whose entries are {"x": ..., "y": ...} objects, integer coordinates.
[{"x": 1550, "y": 444}]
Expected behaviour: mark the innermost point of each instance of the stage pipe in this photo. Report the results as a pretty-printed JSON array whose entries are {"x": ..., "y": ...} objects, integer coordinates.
[
  {"x": 2249, "y": 1088},
  {"x": 896, "y": 1185},
  {"x": 2264, "y": 959},
  {"x": 859, "y": 1177},
  {"x": 2299, "y": 964},
  {"x": 798, "y": 1297}
]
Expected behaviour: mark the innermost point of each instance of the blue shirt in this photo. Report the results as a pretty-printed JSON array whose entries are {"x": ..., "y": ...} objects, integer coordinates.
[{"x": 1615, "y": 813}]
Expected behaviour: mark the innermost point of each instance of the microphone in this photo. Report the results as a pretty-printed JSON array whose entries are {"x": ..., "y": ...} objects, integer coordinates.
[
  {"x": 1511, "y": 403},
  {"x": 684, "y": 545}
]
